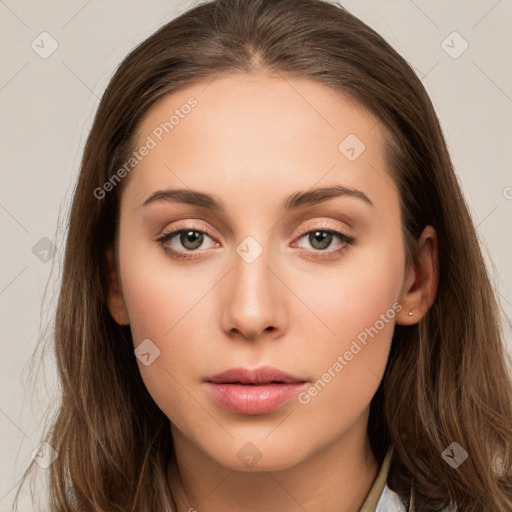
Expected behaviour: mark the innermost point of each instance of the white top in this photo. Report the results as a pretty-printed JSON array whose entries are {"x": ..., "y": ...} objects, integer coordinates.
[{"x": 389, "y": 502}]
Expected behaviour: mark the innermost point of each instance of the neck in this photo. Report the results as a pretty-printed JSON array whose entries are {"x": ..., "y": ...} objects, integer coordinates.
[{"x": 338, "y": 477}]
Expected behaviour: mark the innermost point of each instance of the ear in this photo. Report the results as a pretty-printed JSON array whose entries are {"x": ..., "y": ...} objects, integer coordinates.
[
  {"x": 115, "y": 299},
  {"x": 421, "y": 281}
]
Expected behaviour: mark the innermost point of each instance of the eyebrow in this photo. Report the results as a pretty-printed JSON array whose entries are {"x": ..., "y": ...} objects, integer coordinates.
[{"x": 294, "y": 201}]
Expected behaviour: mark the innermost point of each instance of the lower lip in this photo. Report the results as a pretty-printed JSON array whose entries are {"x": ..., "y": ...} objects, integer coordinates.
[{"x": 253, "y": 399}]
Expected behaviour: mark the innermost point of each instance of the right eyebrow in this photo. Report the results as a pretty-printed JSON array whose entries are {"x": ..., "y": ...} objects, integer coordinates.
[{"x": 193, "y": 197}]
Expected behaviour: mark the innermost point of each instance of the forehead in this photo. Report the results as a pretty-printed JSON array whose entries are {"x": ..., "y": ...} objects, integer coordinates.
[{"x": 262, "y": 133}]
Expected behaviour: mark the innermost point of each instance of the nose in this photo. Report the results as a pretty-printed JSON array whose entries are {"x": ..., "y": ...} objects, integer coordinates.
[{"x": 253, "y": 300}]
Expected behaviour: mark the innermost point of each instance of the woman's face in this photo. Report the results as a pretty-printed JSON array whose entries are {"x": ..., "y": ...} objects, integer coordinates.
[{"x": 306, "y": 286}]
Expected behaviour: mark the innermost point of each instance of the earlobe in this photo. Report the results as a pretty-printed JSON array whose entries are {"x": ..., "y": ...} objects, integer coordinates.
[
  {"x": 115, "y": 299},
  {"x": 422, "y": 280}
]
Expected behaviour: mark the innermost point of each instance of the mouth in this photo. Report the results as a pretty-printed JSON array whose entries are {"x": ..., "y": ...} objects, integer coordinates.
[
  {"x": 253, "y": 383},
  {"x": 259, "y": 376},
  {"x": 253, "y": 392}
]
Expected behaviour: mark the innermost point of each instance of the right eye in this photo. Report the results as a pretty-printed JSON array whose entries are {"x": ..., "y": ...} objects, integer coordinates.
[{"x": 190, "y": 238}]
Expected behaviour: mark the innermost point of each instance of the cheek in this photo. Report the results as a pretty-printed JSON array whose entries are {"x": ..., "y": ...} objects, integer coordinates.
[
  {"x": 153, "y": 290},
  {"x": 357, "y": 304},
  {"x": 159, "y": 314},
  {"x": 353, "y": 295}
]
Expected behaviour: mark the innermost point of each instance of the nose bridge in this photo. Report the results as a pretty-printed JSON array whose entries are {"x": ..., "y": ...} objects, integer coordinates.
[{"x": 253, "y": 294}]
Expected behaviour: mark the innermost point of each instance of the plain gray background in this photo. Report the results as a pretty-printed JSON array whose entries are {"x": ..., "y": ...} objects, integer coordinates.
[{"x": 47, "y": 108}]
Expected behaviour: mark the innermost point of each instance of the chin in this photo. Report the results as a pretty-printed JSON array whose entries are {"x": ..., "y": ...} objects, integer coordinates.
[{"x": 259, "y": 455}]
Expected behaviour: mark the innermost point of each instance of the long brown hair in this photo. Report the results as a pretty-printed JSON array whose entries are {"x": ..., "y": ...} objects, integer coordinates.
[{"x": 446, "y": 379}]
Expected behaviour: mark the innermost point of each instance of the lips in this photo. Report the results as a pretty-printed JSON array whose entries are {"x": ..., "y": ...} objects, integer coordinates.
[
  {"x": 258, "y": 391},
  {"x": 262, "y": 375}
]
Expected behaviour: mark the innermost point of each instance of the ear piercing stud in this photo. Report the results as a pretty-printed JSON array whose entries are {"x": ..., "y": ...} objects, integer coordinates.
[{"x": 410, "y": 313}]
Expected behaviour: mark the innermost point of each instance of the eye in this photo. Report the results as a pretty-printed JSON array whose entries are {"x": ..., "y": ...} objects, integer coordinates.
[
  {"x": 190, "y": 238},
  {"x": 320, "y": 239}
]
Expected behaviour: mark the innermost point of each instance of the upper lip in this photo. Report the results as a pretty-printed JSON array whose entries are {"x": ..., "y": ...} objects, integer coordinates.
[{"x": 262, "y": 375}]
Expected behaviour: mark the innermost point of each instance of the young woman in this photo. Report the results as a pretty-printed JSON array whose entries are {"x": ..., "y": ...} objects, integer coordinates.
[{"x": 273, "y": 296}]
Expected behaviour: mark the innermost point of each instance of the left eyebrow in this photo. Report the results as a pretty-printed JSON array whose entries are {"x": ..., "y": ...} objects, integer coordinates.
[
  {"x": 294, "y": 201},
  {"x": 319, "y": 195}
]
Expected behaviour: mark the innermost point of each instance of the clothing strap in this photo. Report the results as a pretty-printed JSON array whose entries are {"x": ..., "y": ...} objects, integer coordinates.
[
  {"x": 411, "y": 501},
  {"x": 371, "y": 501}
]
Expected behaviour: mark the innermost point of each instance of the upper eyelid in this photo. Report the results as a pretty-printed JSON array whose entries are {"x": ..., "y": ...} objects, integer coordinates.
[{"x": 321, "y": 224}]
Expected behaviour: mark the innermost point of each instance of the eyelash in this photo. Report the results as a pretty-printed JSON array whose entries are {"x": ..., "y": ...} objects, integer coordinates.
[{"x": 326, "y": 228}]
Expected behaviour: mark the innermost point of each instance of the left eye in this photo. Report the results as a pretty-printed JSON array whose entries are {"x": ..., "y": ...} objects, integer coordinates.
[{"x": 320, "y": 239}]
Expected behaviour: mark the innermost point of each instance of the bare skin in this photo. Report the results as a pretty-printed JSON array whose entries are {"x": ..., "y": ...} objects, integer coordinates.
[{"x": 252, "y": 140}]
